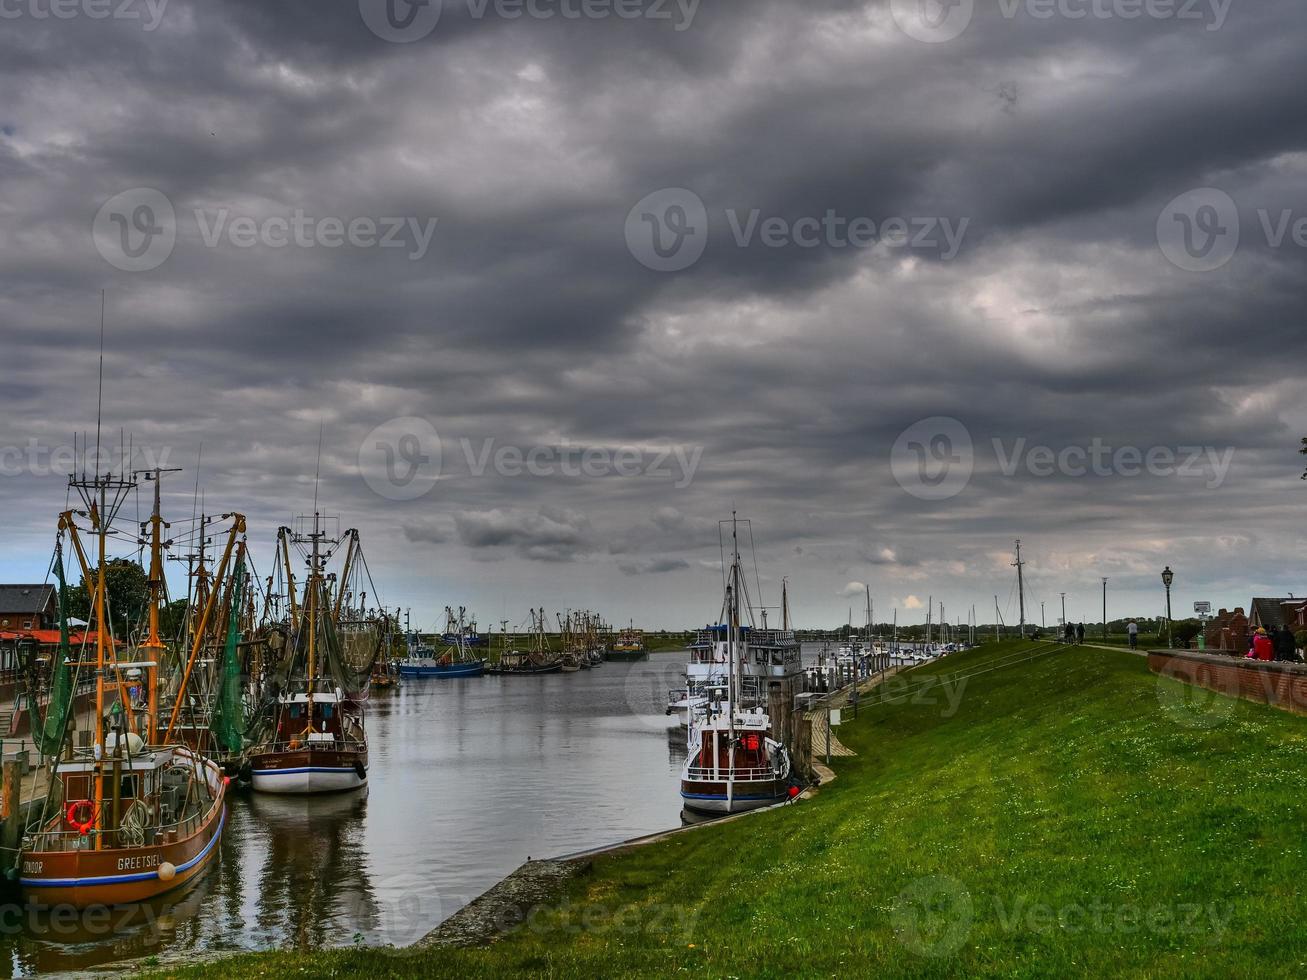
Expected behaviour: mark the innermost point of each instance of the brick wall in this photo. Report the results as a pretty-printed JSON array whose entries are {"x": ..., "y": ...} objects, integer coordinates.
[{"x": 1282, "y": 685}]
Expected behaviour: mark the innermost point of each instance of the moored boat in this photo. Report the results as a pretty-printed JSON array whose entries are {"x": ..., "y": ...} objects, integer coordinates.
[
  {"x": 169, "y": 823},
  {"x": 315, "y": 735},
  {"x": 628, "y": 646},
  {"x": 454, "y": 661},
  {"x": 539, "y": 659},
  {"x": 327, "y": 756},
  {"x": 734, "y": 763},
  {"x": 734, "y": 760},
  {"x": 133, "y": 815}
]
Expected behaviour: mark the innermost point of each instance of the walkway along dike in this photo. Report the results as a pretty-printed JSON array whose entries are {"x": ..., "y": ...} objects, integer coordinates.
[{"x": 1279, "y": 684}]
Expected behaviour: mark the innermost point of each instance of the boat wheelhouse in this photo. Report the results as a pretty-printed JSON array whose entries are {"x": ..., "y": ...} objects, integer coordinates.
[{"x": 770, "y": 662}]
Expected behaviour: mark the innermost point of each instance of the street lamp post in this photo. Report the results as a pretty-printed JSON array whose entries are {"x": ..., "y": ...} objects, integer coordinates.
[
  {"x": 1104, "y": 610},
  {"x": 1168, "y": 577}
]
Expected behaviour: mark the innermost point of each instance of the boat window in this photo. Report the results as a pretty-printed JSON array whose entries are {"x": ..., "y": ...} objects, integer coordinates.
[
  {"x": 294, "y": 710},
  {"x": 78, "y": 787},
  {"x": 126, "y": 788},
  {"x": 327, "y": 710}
]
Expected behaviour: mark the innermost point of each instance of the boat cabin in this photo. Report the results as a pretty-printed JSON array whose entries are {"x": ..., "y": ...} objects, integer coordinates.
[
  {"x": 752, "y": 749},
  {"x": 144, "y": 797},
  {"x": 326, "y": 725}
]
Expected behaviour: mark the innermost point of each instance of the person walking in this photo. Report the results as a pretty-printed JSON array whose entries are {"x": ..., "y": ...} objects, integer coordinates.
[
  {"x": 1080, "y": 634},
  {"x": 1133, "y": 632}
]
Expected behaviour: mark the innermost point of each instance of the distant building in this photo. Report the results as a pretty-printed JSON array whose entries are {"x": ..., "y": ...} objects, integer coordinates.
[
  {"x": 1227, "y": 631},
  {"x": 28, "y": 607}
]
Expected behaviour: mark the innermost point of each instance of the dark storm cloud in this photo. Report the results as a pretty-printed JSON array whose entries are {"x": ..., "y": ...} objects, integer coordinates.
[{"x": 1055, "y": 143}]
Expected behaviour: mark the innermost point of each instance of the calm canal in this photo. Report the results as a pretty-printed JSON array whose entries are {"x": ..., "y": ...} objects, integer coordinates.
[{"x": 468, "y": 779}]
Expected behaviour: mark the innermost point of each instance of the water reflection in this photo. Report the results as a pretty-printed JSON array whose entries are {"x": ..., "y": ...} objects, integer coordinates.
[{"x": 313, "y": 887}]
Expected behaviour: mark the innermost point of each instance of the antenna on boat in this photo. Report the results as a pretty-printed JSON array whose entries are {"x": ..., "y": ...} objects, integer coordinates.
[
  {"x": 317, "y": 472},
  {"x": 99, "y": 399}
]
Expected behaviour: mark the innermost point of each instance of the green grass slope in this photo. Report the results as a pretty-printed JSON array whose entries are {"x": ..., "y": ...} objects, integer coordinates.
[{"x": 1068, "y": 814}]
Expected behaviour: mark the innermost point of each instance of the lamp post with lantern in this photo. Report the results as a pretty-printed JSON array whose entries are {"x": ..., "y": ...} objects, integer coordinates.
[{"x": 1168, "y": 577}]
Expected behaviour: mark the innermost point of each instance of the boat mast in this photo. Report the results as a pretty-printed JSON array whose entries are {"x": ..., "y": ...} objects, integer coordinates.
[
  {"x": 154, "y": 643},
  {"x": 283, "y": 542},
  {"x": 316, "y": 537},
  {"x": 785, "y": 604},
  {"x": 734, "y": 644}
]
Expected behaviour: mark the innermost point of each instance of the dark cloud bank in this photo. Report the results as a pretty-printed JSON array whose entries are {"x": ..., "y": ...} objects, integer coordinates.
[{"x": 772, "y": 376}]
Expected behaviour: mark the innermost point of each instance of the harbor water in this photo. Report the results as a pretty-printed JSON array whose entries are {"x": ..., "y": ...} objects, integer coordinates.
[{"x": 468, "y": 778}]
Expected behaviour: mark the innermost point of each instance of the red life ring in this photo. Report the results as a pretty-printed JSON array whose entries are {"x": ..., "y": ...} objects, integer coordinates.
[{"x": 82, "y": 826}]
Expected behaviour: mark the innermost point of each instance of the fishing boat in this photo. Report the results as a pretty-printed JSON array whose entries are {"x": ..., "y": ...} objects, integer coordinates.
[
  {"x": 734, "y": 761},
  {"x": 134, "y": 815},
  {"x": 590, "y": 633},
  {"x": 455, "y": 661},
  {"x": 314, "y": 737},
  {"x": 629, "y": 645},
  {"x": 575, "y": 656},
  {"x": 539, "y": 659}
]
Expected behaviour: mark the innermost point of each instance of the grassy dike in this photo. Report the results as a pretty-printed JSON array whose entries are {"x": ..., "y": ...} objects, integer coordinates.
[{"x": 1068, "y": 815}]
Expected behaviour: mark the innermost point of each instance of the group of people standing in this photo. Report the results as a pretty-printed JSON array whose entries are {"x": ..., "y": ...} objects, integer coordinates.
[
  {"x": 1277, "y": 644},
  {"x": 1073, "y": 633}
]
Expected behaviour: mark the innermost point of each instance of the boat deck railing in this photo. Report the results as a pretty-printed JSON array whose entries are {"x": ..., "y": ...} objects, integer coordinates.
[
  {"x": 699, "y": 774},
  {"x": 338, "y": 743},
  {"x": 47, "y": 841}
]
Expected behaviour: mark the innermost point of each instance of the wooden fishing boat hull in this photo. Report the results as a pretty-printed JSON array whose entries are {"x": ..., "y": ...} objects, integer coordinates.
[
  {"x": 473, "y": 668},
  {"x": 303, "y": 771},
  {"x": 711, "y": 797},
  {"x": 124, "y": 875}
]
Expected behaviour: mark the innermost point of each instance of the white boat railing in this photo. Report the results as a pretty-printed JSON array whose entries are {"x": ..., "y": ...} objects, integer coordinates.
[{"x": 699, "y": 774}]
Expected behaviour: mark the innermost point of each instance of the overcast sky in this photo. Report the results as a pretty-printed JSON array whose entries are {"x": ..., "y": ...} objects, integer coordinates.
[{"x": 900, "y": 284}]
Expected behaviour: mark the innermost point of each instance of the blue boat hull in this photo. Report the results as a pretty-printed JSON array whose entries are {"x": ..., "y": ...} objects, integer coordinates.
[{"x": 474, "y": 668}]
